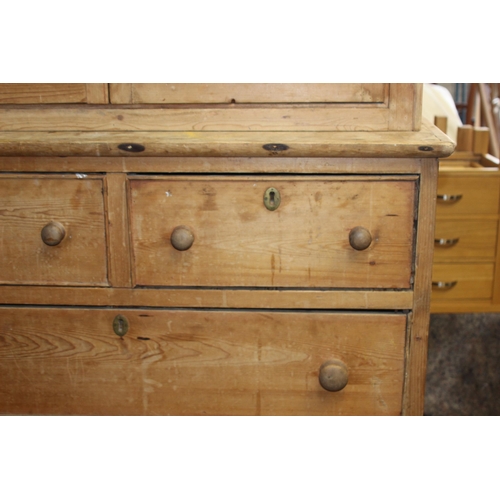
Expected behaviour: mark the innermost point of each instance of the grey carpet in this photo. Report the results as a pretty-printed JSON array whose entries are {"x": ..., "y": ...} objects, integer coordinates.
[{"x": 463, "y": 369}]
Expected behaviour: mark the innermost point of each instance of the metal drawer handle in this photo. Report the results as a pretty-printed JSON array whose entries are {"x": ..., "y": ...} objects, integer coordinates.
[
  {"x": 443, "y": 242},
  {"x": 449, "y": 198},
  {"x": 444, "y": 285}
]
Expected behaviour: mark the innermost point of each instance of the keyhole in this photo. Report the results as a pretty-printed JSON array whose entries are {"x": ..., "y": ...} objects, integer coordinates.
[
  {"x": 272, "y": 198},
  {"x": 120, "y": 325}
]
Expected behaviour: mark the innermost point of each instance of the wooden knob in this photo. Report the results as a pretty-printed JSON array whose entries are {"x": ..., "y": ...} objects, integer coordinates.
[
  {"x": 360, "y": 238},
  {"x": 333, "y": 375},
  {"x": 182, "y": 238},
  {"x": 53, "y": 233}
]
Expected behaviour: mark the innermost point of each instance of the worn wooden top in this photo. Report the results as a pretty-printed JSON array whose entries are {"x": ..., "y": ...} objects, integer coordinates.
[{"x": 429, "y": 142}]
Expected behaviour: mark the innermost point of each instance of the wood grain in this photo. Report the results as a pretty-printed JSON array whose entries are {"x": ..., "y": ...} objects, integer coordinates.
[
  {"x": 27, "y": 204},
  {"x": 416, "y": 362},
  {"x": 42, "y": 93},
  {"x": 304, "y": 243},
  {"x": 401, "y": 113},
  {"x": 69, "y": 361},
  {"x": 429, "y": 143},
  {"x": 405, "y": 105},
  {"x": 97, "y": 93},
  {"x": 210, "y": 165},
  {"x": 117, "y": 233},
  {"x": 200, "y": 93},
  {"x": 226, "y": 298}
]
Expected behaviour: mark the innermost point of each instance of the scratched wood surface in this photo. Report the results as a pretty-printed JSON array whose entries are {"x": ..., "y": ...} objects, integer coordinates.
[
  {"x": 189, "y": 93},
  {"x": 27, "y": 204},
  {"x": 69, "y": 361},
  {"x": 304, "y": 243},
  {"x": 428, "y": 143}
]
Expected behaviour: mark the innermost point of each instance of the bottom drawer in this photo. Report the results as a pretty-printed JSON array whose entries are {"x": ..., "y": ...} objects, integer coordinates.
[
  {"x": 462, "y": 281},
  {"x": 194, "y": 362}
]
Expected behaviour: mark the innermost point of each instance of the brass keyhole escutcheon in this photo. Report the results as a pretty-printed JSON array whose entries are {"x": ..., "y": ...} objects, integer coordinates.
[
  {"x": 120, "y": 325},
  {"x": 272, "y": 198}
]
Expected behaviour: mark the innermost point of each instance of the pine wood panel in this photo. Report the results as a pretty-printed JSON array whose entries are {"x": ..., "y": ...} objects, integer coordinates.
[
  {"x": 42, "y": 93},
  {"x": 477, "y": 239},
  {"x": 474, "y": 281},
  {"x": 27, "y": 204},
  {"x": 225, "y": 298},
  {"x": 401, "y": 111},
  {"x": 304, "y": 243},
  {"x": 199, "y": 93},
  {"x": 233, "y": 165},
  {"x": 53, "y": 93},
  {"x": 418, "y": 328},
  {"x": 478, "y": 196},
  {"x": 430, "y": 143},
  {"x": 118, "y": 238},
  {"x": 405, "y": 105},
  {"x": 69, "y": 361}
]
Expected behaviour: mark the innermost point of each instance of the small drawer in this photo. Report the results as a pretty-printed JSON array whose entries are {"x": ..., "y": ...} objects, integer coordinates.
[
  {"x": 468, "y": 239},
  {"x": 467, "y": 195},
  {"x": 53, "y": 231},
  {"x": 312, "y": 233},
  {"x": 462, "y": 281},
  {"x": 194, "y": 362}
]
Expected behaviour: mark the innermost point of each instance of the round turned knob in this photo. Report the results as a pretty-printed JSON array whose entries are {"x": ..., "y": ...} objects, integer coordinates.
[
  {"x": 53, "y": 233},
  {"x": 333, "y": 375},
  {"x": 182, "y": 238},
  {"x": 360, "y": 238}
]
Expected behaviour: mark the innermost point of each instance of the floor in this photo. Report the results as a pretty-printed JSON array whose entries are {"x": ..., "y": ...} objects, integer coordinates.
[{"x": 463, "y": 370}]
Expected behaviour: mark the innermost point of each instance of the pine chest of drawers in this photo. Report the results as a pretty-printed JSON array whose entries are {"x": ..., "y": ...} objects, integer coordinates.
[{"x": 264, "y": 272}]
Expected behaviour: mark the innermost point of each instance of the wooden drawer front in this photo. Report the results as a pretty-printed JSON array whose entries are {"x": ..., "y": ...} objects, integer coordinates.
[
  {"x": 27, "y": 205},
  {"x": 462, "y": 281},
  {"x": 477, "y": 239},
  {"x": 183, "y": 362},
  {"x": 304, "y": 243},
  {"x": 240, "y": 93},
  {"x": 53, "y": 93},
  {"x": 478, "y": 195}
]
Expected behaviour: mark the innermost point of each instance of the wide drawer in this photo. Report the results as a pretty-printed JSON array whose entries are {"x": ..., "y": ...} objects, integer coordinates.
[
  {"x": 52, "y": 231},
  {"x": 193, "y": 362},
  {"x": 462, "y": 281},
  {"x": 472, "y": 239},
  {"x": 302, "y": 241},
  {"x": 467, "y": 195}
]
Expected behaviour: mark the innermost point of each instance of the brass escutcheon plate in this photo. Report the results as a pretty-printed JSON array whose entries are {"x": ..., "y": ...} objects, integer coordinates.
[
  {"x": 272, "y": 198},
  {"x": 120, "y": 325}
]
